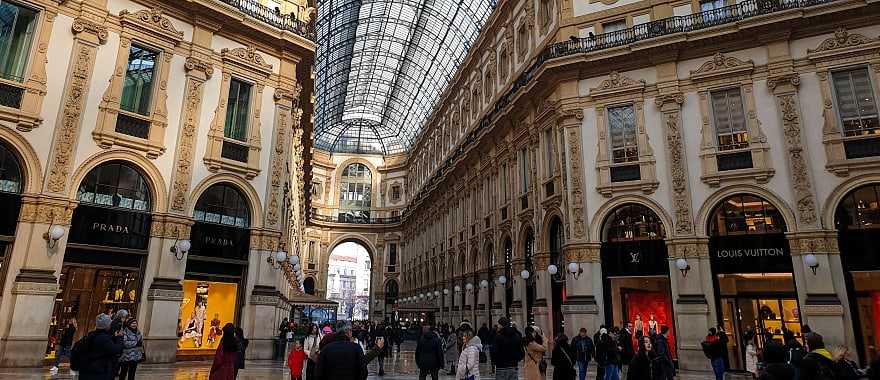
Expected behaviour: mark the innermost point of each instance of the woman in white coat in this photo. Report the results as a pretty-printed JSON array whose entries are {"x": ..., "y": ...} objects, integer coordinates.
[
  {"x": 310, "y": 346},
  {"x": 469, "y": 361}
]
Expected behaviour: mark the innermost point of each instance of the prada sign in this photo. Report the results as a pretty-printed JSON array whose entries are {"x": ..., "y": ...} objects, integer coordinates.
[
  {"x": 217, "y": 240},
  {"x": 110, "y": 227},
  {"x": 635, "y": 258},
  {"x": 767, "y": 253}
]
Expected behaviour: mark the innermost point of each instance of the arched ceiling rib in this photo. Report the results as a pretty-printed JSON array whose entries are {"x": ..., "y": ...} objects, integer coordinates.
[{"x": 381, "y": 66}]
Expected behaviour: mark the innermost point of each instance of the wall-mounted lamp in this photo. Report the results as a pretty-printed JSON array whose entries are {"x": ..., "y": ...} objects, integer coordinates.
[
  {"x": 812, "y": 262},
  {"x": 502, "y": 280},
  {"x": 52, "y": 235},
  {"x": 445, "y": 291},
  {"x": 484, "y": 284},
  {"x": 180, "y": 248},
  {"x": 575, "y": 269},
  {"x": 277, "y": 259},
  {"x": 436, "y": 293},
  {"x": 683, "y": 266},
  {"x": 293, "y": 260},
  {"x": 524, "y": 274},
  {"x": 457, "y": 289},
  {"x": 469, "y": 287}
]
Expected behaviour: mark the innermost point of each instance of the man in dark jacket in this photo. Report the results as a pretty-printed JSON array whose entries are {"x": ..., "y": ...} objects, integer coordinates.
[
  {"x": 342, "y": 358},
  {"x": 818, "y": 364},
  {"x": 508, "y": 351},
  {"x": 429, "y": 353},
  {"x": 584, "y": 349},
  {"x": 102, "y": 352},
  {"x": 625, "y": 339},
  {"x": 715, "y": 348},
  {"x": 664, "y": 355},
  {"x": 776, "y": 365}
]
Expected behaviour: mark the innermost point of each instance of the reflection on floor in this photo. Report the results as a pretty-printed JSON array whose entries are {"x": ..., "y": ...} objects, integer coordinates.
[{"x": 398, "y": 367}]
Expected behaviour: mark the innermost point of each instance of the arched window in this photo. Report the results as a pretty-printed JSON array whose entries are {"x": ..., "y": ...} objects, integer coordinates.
[
  {"x": 223, "y": 204},
  {"x": 10, "y": 172},
  {"x": 391, "y": 291},
  {"x": 556, "y": 240},
  {"x": 355, "y": 193},
  {"x": 860, "y": 209},
  {"x": 309, "y": 286},
  {"x": 115, "y": 184},
  {"x": 632, "y": 222},
  {"x": 745, "y": 214}
]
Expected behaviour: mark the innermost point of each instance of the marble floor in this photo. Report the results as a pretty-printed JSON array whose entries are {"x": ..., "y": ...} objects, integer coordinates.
[{"x": 398, "y": 367}]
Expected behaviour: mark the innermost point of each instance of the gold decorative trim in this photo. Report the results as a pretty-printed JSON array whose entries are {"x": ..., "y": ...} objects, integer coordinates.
[
  {"x": 842, "y": 39},
  {"x": 670, "y": 107},
  {"x": 81, "y": 25},
  {"x": 722, "y": 65}
]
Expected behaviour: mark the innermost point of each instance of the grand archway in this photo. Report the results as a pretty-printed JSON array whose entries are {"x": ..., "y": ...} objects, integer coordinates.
[{"x": 349, "y": 277}]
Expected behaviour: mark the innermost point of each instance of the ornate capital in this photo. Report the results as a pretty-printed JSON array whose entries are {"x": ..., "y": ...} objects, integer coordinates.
[
  {"x": 780, "y": 81},
  {"x": 196, "y": 64},
  {"x": 81, "y": 25},
  {"x": 675, "y": 99},
  {"x": 247, "y": 57}
]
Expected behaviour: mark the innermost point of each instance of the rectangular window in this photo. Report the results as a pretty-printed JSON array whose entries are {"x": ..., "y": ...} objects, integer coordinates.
[
  {"x": 614, "y": 26},
  {"x": 311, "y": 251},
  {"x": 622, "y": 129},
  {"x": 17, "y": 27},
  {"x": 710, "y": 5},
  {"x": 730, "y": 120},
  {"x": 395, "y": 192},
  {"x": 524, "y": 170},
  {"x": 545, "y": 13},
  {"x": 137, "y": 87},
  {"x": 549, "y": 152},
  {"x": 392, "y": 255},
  {"x": 237, "y": 110},
  {"x": 856, "y": 104}
]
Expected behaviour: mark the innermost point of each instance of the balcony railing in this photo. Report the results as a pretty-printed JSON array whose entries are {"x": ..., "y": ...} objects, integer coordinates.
[
  {"x": 642, "y": 32},
  {"x": 344, "y": 216},
  {"x": 288, "y": 22}
]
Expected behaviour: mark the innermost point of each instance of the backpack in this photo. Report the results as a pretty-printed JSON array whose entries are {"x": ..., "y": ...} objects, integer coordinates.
[{"x": 79, "y": 355}]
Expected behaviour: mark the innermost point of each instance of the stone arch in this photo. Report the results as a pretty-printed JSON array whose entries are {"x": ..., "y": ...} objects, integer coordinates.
[
  {"x": 499, "y": 247},
  {"x": 27, "y": 158},
  {"x": 841, "y": 191},
  {"x": 158, "y": 190},
  {"x": 713, "y": 200},
  {"x": 520, "y": 242},
  {"x": 374, "y": 178},
  {"x": 358, "y": 239},
  {"x": 244, "y": 186},
  {"x": 489, "y": 249},
  {"x": 603, "y": 212},
  {"x": 544, "y": 243}
]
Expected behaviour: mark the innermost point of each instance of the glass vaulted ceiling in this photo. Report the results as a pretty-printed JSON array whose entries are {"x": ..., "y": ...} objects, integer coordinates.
[{"x": 381, "y": 66}]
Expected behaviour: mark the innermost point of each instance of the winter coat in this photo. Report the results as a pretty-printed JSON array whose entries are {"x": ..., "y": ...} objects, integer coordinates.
[
  {"x": 715, "y": 346},
  {"x": 103, "y": 349},
  {"x": 751, "y": 359},
  {"x": 469, "y": 361},
  {"x": 312, "y": 342},
  {"x": 429, "y": 352},
  {"x": 133, "y": 346},
  {"x": 627, "y": 351},
  {"x": 451, "y": 345},
  {"x": 645, "y": 366},
  {"x": 664, "y": 356},
  {"x": 818, "y": 365},
  {"x": 242, "y": 348},
  {"x": 224, "y": 364},
  {"x": 508, "y": 348},
  {"x": 584, "y": 348},
  {"x": 777, "y": 371},
  {"x": 563, "y": 362},
  {"x": 295, "y": 362},
  {"x": 534, "y": 354},
  {"x": 341, "y": 360}
]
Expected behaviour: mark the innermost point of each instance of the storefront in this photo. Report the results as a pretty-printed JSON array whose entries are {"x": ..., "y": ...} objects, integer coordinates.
[
  {"x": 752, "y": 267},
  {"x": 557, "y": 282},
  {"x": 10, "y": 203},
  {"x": 106, "y": 249},
  {"x": 857, "y": 220},
  {"x": 635, "y": 271},
  {"x": 215, "y": 269}
]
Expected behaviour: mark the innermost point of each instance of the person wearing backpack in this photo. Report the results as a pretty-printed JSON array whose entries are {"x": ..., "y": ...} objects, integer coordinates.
[
  {"x": 795, "y": 352},
  {"x": 584, "y": 350},
  {"x": 819, "y": 364},
  {"x": 715, "y": 349},
  {"x": 95, "y": 355}
]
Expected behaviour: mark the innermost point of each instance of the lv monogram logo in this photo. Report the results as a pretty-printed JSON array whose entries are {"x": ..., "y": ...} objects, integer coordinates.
[{"x": 636, "y": 257}]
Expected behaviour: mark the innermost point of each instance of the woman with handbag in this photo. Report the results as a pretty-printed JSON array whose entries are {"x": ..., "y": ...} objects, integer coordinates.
[
  {"x": 534, "y": 367},
  {"x": 469, "y": 361},
  {"x": 132, "y": 350},
  {"x": 310, "y": 346},
  {"x": 563, "y": 359}
]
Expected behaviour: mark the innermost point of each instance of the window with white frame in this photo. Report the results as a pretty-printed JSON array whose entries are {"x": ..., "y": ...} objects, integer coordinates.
[
  {"x": 623, "y": 134},
  {"x": 549, "y": 151},
  {"x": 856, "y": 102},
  {"x": 730, "y": 119},
  {"x": 524, "y": 170}
]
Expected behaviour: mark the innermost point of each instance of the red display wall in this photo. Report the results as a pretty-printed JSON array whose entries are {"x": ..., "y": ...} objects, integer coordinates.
[
  {"x": 658, "y": 303},
  {"x": 875, "y": 301}
]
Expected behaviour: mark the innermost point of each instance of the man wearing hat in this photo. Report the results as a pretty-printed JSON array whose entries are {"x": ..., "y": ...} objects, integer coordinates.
[
  {"x": 102, "y": 351},
  {"x": 508, "y": 351}
]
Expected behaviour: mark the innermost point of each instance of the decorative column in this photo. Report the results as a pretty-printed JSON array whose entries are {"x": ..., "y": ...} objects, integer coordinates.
[
  {"x": 482, "y": 311},
  {"x": 543, "y": 296},
  {"x": 261, "y": 296},
  {"x": 821, "y": 287},
  {"x": 517, "y": 307},
  {"x": 498, "y": 295}
]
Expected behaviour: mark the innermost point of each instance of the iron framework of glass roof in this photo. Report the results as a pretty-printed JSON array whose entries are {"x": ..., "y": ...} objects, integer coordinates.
[{"x": 382, "y": 65}]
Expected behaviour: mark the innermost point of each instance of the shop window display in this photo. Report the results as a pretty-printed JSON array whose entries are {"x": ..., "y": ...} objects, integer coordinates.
[{"x": 205, "y": 308}]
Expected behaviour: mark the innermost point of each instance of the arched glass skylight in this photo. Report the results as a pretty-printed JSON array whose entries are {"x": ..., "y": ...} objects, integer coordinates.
[{"x": 381, "y": 66}]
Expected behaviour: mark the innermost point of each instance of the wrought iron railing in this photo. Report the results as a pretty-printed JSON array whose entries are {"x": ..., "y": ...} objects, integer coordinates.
[
  {"x": 344, "y": 216},
  {"x": 272, "y": 17},
  {"x": 132, "y": 126},
  {"x": 234, "y": 151},
  {"x": 11, "y": 96},
  {"x": 642, "y": 32}
]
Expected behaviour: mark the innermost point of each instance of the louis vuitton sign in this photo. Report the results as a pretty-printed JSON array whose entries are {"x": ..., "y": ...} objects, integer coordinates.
[{"x": 759, "y": 253}]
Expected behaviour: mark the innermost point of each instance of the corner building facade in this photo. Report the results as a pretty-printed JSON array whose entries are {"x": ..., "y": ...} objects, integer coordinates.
[
  {"x": 687, "y": 164},
  {"x": 150, "y": 160}
]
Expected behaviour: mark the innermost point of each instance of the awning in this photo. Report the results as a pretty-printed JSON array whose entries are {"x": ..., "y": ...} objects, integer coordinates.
[{"x": 311, "y": 300}]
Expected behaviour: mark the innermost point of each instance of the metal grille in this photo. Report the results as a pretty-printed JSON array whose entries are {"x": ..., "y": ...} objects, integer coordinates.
[
  {"x": 862, "y": 148},
  {"x": 626, "y": 173},
  {"x": 132, "y": 126},
  {"x": 734, "y": 161},
  {"x": 233, "y": 151},
  {"x": 10, "y": 96},
  {"x": 288, "y": 22}
]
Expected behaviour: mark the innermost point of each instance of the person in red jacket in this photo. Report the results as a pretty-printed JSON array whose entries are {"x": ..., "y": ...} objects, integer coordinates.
[
  {"x": 226, "y": 356},
  {"x": 295, "y": 361}
]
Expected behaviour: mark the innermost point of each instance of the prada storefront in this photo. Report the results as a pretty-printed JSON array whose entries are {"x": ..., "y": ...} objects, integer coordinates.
[
  {"x": 10, "y": 203},
  {"x": 635, "y": 272},
  {"x": 106, "y": 250},
  {"x": 216, "y": 265},
  {"x": 751, "y": 262},
  {"x": 857, "y": 219}
]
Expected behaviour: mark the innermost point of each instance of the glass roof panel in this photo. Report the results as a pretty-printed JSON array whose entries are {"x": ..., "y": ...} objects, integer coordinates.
[{"x": 381, "y": 66}]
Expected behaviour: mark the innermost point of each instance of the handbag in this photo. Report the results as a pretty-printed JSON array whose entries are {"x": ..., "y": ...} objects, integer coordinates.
[
  {"x": 313, "y": 353},
  {"x": 542, "y": 364}
]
